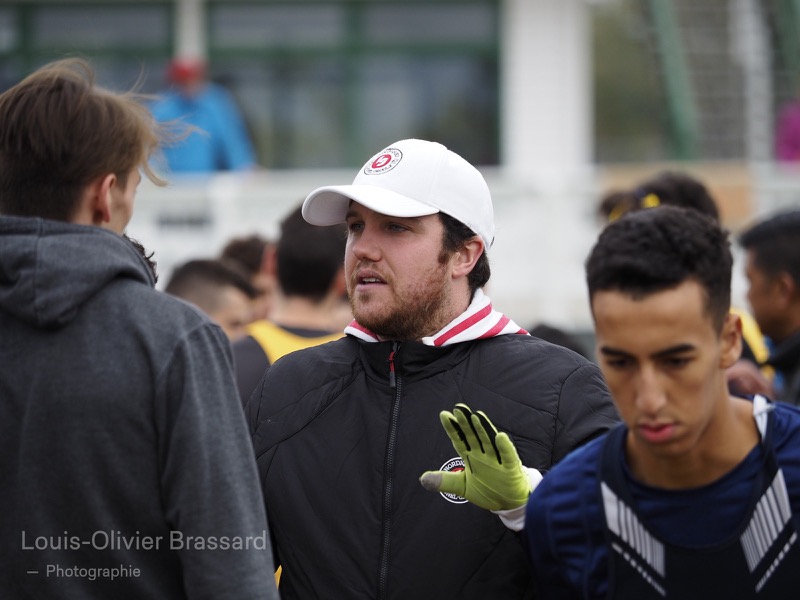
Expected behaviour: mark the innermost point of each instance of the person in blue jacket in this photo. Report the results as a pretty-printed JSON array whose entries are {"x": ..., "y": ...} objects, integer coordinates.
[
  {"x": 696, "y": 494},
  {"x": 217, "y": 139}
]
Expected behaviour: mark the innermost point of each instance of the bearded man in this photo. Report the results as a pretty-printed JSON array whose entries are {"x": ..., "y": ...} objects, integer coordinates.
[{"x": 342, "y": 431}]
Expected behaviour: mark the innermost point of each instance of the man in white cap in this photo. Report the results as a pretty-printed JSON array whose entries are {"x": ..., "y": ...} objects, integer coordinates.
[{"x": 343, "y": 431}]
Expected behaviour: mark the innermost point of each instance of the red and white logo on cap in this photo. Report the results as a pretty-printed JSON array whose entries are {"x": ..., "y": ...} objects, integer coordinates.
[
  {"x": 384, "y": 161},
  {"x": 454, "y": 464}
]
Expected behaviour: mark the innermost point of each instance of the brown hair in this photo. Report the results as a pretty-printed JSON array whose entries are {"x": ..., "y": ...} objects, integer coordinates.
[
  {"x": 455, "y": 235},
  {"x": 59, "y": 132}
]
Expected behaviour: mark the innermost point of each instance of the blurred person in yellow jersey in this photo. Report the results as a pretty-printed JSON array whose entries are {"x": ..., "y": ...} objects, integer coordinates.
[{"x": 309, "y": 304}]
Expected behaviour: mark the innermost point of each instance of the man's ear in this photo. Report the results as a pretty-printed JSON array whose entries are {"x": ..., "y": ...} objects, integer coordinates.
[
  {"x": 467, "y": 257},
  {"x": 99, "y": 197},
  {"x": 785, "y": 289},
  {"x": 94, "y": 207},
  {"x": 731, "y": 340}
]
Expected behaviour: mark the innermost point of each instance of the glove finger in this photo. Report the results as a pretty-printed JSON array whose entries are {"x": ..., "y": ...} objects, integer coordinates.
[
  {"x": 487, "y": 424},
  {"x": 455, "y": 432},
  {"x": 464, "y": 415},
  {"x": 431, "y": 480},
  {"x": 489, "y": 433},
  {"x": 453, "y": 482},
  {"x": 506, "y": 450}
]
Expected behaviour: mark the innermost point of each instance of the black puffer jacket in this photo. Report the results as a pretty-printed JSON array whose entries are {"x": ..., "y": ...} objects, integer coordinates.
[{"x": 343, "y": 431}]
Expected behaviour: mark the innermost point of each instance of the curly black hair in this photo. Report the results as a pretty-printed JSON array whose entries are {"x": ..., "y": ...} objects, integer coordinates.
[{"x": 649, "y": 251}]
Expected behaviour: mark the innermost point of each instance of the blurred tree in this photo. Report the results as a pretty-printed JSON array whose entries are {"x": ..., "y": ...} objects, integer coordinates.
[{"x": 630, "y": 116}]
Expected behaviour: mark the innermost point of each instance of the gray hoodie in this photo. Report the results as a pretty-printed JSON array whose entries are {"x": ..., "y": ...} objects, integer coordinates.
[{"x": 126, "y": 470}]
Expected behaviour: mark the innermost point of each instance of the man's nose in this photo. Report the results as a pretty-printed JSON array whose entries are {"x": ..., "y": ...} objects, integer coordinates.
[{"x": 650, "y": 396}]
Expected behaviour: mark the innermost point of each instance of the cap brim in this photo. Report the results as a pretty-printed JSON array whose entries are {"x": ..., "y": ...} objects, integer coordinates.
[{"x": 328, "y": 205}]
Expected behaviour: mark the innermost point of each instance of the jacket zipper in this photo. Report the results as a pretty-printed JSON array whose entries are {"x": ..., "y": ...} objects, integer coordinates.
[{"x": 388, "y": 480}]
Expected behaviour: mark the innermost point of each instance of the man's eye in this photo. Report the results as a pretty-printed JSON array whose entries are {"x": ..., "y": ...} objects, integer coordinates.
[
  {"x": 678, "y": 361},
  {"x": 617, "y": 363}
]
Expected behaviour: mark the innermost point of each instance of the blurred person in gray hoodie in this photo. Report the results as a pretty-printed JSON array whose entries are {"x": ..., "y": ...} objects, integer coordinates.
[{"x": 125, "y": 463}]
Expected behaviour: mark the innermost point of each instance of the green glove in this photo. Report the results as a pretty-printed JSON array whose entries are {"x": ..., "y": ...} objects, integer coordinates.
[{"x": 493, "y": 476}]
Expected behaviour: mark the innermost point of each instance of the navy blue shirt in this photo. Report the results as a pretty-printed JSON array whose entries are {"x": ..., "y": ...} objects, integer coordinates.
[{"x": 565, "y": 522}]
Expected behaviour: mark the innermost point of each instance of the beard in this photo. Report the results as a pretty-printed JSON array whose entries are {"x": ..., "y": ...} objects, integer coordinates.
[{"x": 414, "y": 312}]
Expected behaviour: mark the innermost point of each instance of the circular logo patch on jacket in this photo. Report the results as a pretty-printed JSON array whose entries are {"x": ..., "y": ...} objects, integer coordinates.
[
  {"x": 384, "y": 161},
  {"x": 454, "y": 464}
]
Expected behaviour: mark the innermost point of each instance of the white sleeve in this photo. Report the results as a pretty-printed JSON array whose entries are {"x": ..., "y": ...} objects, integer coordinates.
[{"x": 514, "y": 518}]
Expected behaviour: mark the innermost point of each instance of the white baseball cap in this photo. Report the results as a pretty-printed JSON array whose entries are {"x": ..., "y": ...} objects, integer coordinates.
[{"x": 410, "y": 178}]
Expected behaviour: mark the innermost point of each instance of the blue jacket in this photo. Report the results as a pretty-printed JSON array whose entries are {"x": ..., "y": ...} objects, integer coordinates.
[
  {"x": 221, "y": 142},
  {"x": 565, "y": 522}
]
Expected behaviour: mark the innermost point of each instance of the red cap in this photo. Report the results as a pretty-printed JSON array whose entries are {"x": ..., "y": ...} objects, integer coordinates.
[{"x": 183, "y": 70}]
